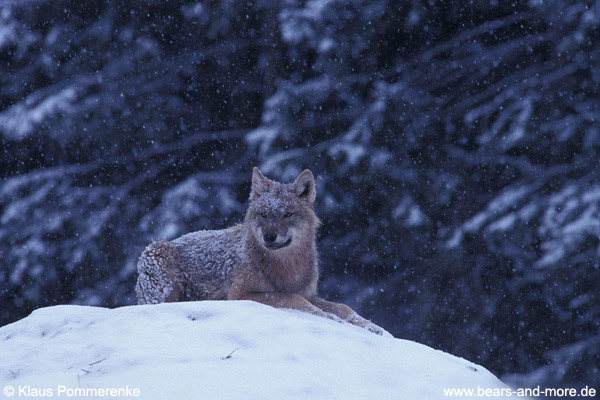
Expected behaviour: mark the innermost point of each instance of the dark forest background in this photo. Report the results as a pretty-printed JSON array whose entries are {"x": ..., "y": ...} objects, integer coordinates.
[{"x": 455, "y": 145}]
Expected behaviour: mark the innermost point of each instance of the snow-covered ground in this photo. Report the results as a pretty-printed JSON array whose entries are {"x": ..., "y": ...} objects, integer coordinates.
[{"x": 219, "y": 350}]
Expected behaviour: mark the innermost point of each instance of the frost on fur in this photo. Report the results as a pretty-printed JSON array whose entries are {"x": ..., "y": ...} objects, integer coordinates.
[
  {"x": 156, "y": 283},
  {"x": 270, "y": 258}
]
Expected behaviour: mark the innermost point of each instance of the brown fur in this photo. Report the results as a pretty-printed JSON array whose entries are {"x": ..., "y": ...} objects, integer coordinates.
[{"x": 271, "y": 258}]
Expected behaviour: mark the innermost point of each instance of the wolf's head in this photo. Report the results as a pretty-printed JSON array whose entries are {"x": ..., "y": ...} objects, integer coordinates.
[{"x": 281, "y": 214}]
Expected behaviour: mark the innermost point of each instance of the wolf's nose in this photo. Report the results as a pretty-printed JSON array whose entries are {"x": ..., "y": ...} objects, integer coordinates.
[{"x": 269, "y": 237}]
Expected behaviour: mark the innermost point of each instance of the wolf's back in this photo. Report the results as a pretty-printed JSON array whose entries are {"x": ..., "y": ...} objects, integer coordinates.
[{"x": 196, "y": 266}]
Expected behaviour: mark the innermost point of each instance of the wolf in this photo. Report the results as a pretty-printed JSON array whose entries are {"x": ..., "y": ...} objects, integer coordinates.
[{"x": 270, "y": 258}]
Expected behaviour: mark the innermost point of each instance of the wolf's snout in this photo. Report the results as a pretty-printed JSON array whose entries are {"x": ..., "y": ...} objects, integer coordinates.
[
  {"x": 269, "y": 237},
  {"x": 273, "y": 241}
]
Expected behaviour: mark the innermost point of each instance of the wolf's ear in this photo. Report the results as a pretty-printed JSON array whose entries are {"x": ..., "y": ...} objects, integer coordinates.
[
  {"x": 259, "y": 184},
  {"x": 305, "y": 187}
]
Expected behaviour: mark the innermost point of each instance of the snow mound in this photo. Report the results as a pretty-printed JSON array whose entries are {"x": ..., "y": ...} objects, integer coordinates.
[{"x": 222, "y": 350}]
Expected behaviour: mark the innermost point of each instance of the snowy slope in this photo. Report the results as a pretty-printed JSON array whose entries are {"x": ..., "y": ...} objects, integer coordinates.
[{"x": 180, "y": 351}]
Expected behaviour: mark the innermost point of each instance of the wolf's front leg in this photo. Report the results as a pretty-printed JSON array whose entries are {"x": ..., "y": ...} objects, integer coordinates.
[
  {"x": 284, "y": 300},
  {"x": 347, "y": 314}
]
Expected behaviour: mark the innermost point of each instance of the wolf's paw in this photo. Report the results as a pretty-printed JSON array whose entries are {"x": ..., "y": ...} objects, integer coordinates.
[
  {"x": 378, "y": 330},
  {"x": 321, "y": 313},
  {"x": 333, "y": 317},
  {"x": 368, "y": 325}
]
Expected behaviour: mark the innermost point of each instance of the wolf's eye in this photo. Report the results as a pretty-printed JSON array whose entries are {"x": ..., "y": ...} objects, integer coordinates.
[
  {"x": 263, "y": 214},
  {"x": 288, "y": 214}
]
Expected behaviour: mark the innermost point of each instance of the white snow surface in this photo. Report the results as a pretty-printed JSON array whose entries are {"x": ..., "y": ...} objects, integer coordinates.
[{"x": 180, "y": 351}]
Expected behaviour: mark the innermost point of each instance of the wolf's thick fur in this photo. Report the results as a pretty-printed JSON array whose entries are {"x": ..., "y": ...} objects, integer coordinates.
[{"x": 271, "y": 258}]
